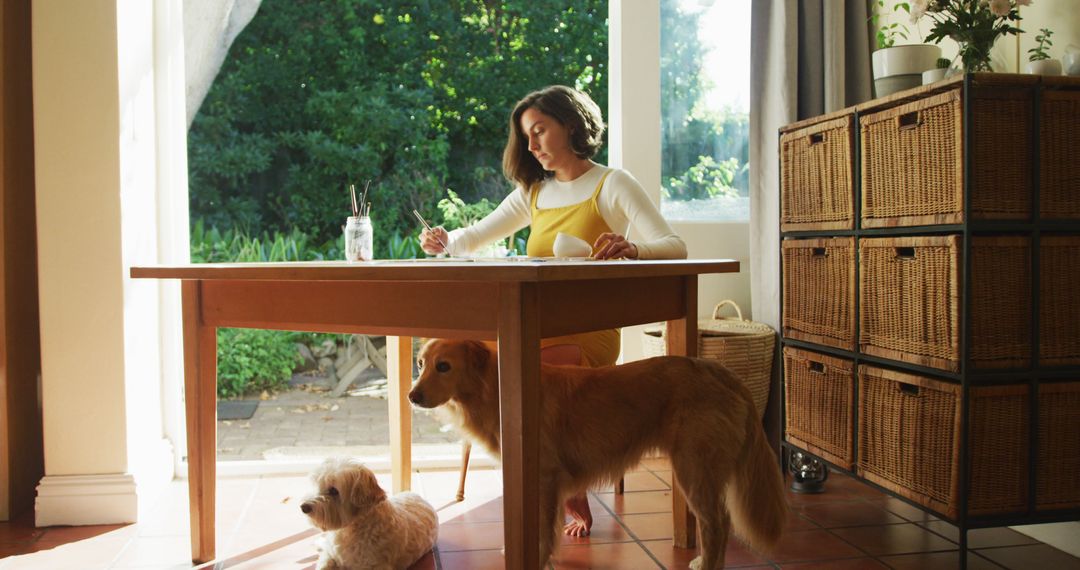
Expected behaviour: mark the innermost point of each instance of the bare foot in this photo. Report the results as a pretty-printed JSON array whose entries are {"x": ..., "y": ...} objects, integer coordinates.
[{"x": 578, "y": 509}]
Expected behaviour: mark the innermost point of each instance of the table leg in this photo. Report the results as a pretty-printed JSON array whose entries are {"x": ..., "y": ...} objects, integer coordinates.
[
  {"x": 200, "y": 395},
  {"x": 682, "y": 340},
  {"x": 519, "y": 391},
  {"x": 399, "y": 373}
]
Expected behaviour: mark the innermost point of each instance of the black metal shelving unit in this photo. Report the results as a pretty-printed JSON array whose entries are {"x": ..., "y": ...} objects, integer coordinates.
[{"x": 1034, "y": 375}]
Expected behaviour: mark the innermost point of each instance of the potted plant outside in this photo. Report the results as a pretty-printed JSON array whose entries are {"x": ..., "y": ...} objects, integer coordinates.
[
  {"x": 1040, "y": 62},
  {"x": 898, "y": 67}
]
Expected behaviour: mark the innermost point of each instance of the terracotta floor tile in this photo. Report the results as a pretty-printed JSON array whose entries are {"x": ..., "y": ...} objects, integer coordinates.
[
  {"x": 893, "y": 539},
  {"x": 838, "y": 482},
  {"x": 642, "y": 481},
  {"x": 65, "y": 534},
  {"x": 811, "y": 545},
  {"x": 472, "y": 560},
  {"x": 613, "y": 556},
  {"x": 470, "y": 536},
  {"x": 901, "y": 509},
  {"x": 865, "y": 563},
  {"x": 981, "y": 537},
  {"x": 855, "y": 513},
  {"x": 797, "y": 521},
  {"x": 152, "y": 550},
  {"x": 654, "y": 526},
  {"x": 472, "y": 511},
  {"x": 638, "y": 503},
  {"x": 938, "y": 561},
  {"x": 604, "y": 529},
  {"x": 737, "y": 554},
  {"x": 21, "y": 529},
  {"x": 830, "y": 495},
  {"x": 1032, "y": 557},
  {"x": 664, "y": 476}
]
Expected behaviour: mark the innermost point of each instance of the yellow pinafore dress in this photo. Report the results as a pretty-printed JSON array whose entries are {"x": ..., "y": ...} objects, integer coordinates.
[{"x": 583, "y": 220}]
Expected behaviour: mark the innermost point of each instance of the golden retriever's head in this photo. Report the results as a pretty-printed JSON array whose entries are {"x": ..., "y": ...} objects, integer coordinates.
[
  {"x": 345, "y": 489},
  {"x": 449, "y": 370}
]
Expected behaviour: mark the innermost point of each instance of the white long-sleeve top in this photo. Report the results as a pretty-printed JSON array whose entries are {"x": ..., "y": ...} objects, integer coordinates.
[{"x": 622, "y": 203}]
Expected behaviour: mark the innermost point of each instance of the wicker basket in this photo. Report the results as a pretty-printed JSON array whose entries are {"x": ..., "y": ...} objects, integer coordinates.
[
  {"x": 909, "y": 306},
  {"x": 819, "y": 398},
  {"x": 744, "y": 347},
  {"x": 1059, "y": 146},
  {"x": 1057, "y": 483},
  {"x": 816, "y": 177},
  {"x": 1059, "y": 311},
  {"x": 909, "y": 295},
  {"x": 909, "y": 441},
  {"x": 912, "y": 159},
  {"x": 1000, "y": 292},
  {"x": 819, "y": 291}
]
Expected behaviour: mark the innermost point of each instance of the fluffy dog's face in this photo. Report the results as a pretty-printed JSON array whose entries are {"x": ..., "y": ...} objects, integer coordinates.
[
  {"x": 448, "y": 370},
  {"x": 345, "y": 489}
]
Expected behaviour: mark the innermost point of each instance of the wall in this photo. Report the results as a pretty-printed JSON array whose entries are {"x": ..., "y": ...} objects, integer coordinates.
[{"x": 96, "y": 144}]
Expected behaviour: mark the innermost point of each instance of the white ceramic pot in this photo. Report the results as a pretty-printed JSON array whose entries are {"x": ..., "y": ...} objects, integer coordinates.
[
  {"x": 1044, "y": 67},
  {"x": 888, "y": 85},
  {"x": 905, "y": 60},
  {"x": 931, "y": 75}
]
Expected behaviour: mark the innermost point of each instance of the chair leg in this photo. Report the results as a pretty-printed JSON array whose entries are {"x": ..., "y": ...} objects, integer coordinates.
[
  {"x": 620, "y": 485},
  {"x": 466, "y": 449}
]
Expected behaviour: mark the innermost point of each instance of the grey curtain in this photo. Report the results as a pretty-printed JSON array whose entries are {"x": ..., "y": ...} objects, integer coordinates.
[{"x": 808, "y": 57}]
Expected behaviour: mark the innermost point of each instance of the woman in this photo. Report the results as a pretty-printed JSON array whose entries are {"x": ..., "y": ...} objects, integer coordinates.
[{"x": 554, "y": 133}]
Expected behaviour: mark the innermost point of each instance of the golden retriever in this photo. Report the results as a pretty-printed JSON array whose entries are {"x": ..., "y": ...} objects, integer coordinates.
[{"x": 598, "y": 422}]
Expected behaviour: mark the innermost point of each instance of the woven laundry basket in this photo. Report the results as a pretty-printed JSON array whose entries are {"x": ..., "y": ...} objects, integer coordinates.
[{"x": 744, "y": 347}]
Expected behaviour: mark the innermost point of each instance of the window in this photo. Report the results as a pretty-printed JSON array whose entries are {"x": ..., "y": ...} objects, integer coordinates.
[{"x": 705, "y": 98}]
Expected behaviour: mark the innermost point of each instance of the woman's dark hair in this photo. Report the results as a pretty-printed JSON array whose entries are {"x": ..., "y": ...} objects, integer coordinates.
[{"x": 572, "y": 109}]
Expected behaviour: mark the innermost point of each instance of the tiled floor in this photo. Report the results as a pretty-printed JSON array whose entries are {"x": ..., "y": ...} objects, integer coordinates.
[{"x": 850, "y": 527}]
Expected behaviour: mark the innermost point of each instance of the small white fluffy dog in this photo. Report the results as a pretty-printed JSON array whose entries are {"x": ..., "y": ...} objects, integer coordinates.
[{"x": 363, "y": 529}]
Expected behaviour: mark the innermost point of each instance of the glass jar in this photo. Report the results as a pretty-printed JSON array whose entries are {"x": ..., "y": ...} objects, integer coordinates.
[{"x": 358, "y": 238}]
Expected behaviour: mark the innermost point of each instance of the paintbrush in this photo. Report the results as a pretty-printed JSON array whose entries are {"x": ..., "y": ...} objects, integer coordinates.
[{"x": 428, "y": 227}]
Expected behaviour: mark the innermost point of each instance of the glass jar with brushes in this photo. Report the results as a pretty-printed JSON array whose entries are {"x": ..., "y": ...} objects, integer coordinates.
[{"x": 359, "y": 233}]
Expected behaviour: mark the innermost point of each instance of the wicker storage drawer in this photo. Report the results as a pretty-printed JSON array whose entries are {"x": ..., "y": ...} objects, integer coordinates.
[
  {"x": 912, "y": 159},
  {"x": 1059, "y": 310},
  {"x": 909, "y": 295},
  {"x": 1059, "y": 144},
  {"x": 1057, "y": 479},
  {"x": 909, "y": 441},
  {"x": 819, "y": 291},
  {"x": 819, "y": 393},
  {"x": 816, "y": 177}
]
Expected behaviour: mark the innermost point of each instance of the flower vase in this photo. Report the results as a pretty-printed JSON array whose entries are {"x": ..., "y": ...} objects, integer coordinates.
[{"x": 975, "y": 56}]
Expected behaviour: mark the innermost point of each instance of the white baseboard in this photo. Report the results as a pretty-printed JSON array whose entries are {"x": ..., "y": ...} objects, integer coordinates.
[{"x": 86, "y": 499}]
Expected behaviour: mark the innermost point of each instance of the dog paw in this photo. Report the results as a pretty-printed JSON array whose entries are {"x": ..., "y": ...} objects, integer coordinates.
[{"x": 695, "y": 564}]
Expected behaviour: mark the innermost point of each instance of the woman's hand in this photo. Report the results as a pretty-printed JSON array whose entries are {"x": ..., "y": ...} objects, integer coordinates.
[
  {"x": 614, "y": 246},
  {"x": 432, "y": 242}
]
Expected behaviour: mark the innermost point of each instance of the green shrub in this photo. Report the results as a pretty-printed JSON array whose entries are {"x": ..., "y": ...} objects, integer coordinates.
[{"x": 251, "y": 360}]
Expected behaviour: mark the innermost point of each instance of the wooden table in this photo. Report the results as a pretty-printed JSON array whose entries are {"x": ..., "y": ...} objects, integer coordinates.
[{"x": 514, "y": 302}]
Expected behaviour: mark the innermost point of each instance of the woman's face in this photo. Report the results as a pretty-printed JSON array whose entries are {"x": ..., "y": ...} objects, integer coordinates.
[{"x": 549, "y": 140}]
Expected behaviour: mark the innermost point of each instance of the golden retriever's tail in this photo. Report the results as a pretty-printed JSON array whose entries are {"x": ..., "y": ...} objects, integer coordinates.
[{"x": 756, "y": 497}]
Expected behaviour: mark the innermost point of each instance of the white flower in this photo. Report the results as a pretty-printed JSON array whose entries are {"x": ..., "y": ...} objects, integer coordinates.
[
  {"x": 918, "y": 8},
  {"x": 1000, "y": 8}
]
